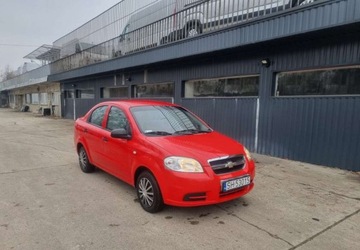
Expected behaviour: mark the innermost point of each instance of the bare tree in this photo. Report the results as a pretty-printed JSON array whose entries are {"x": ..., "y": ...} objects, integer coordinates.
[{"x": 7, "y": 73}]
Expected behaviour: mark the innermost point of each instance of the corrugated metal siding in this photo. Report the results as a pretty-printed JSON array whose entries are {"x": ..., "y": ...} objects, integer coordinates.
[
  {"x": 234, "y": 117},
  {"x": 321, "y": 130},
  {"x": 83, "y": 106},
  {"x": 68, "y": 108}
]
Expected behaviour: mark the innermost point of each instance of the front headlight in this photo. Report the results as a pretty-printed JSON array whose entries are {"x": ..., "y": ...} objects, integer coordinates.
[
  {"x": 248, "y": 155},
  {"x": 183, "y": 164}
]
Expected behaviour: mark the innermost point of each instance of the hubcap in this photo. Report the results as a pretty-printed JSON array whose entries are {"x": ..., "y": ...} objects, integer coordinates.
[
  {"x": 83, "y": 158},
  {"x": 146, "y": 192},
  {"x": 192, "y": 32},
  {"x": 307, "y": 2}
]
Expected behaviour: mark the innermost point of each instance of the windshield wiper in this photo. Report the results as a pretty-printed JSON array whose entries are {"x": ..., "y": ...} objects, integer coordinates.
[
  {"x": 191, "y": 131},
  {"x": 151, "y": 132}
]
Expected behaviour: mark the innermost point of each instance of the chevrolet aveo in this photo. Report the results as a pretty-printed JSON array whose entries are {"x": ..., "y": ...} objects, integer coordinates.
[{"x": 166, "y": 152}]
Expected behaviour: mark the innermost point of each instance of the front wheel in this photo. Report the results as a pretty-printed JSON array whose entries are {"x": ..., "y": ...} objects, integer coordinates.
[{"x": 149, "y": 193}]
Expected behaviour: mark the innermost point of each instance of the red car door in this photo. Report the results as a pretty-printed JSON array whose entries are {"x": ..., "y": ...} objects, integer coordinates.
[
  {"x": 117, "y": 152},
  {"x": 93, "y": 135}
]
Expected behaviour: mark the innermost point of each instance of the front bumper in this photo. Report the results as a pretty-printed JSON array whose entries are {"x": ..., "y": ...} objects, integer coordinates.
[{"x": 198, "y": 189}]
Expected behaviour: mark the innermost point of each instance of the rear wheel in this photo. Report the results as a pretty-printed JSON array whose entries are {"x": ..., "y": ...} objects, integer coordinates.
[
  {"x": 193, "y": 29},
  {"x": 84, "y": 162},
  {"x": 149, "y": 193},
  {"x": 301, "y": 2},
  {"x": 306, "y": 2}
]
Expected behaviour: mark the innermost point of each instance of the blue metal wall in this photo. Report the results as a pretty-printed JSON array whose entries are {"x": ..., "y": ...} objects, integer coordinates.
[
  {"x": 235, "y": 117},
  {"x": 317, "y": 129},
  {"x": 320, "y": 130}
]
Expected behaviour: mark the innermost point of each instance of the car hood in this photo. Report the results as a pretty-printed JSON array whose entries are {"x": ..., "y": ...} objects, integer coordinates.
[{"x": 202, "y": 146}]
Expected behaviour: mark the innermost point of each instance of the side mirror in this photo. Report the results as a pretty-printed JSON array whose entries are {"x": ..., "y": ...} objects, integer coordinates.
[{"x": 120, "y": 133}]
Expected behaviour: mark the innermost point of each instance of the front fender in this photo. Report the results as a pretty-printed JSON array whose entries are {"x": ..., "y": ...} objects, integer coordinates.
[{"x": 152, "y": 164}]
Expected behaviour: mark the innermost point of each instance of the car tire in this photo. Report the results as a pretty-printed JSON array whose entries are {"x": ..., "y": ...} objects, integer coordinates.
[
  {"x": 301, "y": 2},
  {"x": 84, "y": 162},
  {"x": 164, "y": 40},
  {"x": 148, "y": 192},
  {"x": 193, "y": 29}
]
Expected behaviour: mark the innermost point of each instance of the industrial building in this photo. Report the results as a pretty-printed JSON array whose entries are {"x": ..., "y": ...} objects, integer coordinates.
[{"x": 283, "y": 78}]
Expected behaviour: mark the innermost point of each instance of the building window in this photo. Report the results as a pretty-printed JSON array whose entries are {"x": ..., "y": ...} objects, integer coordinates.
[
  {"x": 35, "y": 98},
  {"x": 85, "y": 93},
  {"x": 114, "y": 92},
  {"x": 12, "y": 99},
  {"x": 333, "y": 81},
  {"x": 222, "y": 87},
  {"x": 55, "y": 98},
  {"x": 43, "y": 98},
  {"x": 69, "y": 94},
  {"x": 154, "y": 90},
  {"x": 28, "y": 98}
]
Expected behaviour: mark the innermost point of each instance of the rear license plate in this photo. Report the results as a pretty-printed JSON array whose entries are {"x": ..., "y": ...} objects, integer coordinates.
[{"x": 232, "y": 184}]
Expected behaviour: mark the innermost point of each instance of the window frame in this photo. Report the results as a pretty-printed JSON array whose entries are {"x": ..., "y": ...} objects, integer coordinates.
[
  {"x": 135, "y": 91},
  {"x": 102, "y": 121},
  {"x": 35, "y": 101},
  {"x": 45, "y": 96},
  {"x": 78, "y": 93},
  {"x": 69, "y": 94},
  {"x": 183, "y": 94},
  {"x": 274, "y": 92},
  {"x": 28, "y": 98},
  {"x": 114, "y": 87},
  {"x": 108, "y": 117}
]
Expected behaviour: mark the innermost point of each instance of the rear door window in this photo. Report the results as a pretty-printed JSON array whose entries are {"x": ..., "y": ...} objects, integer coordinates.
[{"x": 97, "y": 116}]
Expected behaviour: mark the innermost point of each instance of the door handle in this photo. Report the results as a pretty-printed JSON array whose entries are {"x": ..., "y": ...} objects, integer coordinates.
[
  {"x": 85, "y": 130},
  {"x": 105, "y": 139}
]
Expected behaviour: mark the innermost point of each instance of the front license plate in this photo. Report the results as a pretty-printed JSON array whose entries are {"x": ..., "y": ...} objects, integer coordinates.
[{"x": 235, "y": 183}]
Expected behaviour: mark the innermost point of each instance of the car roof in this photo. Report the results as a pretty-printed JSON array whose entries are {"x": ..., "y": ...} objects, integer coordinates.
[{"x": 137, "y": 102}]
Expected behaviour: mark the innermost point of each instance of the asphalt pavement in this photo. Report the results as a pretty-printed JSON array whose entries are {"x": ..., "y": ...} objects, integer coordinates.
[{"x": 46, "y": 202}]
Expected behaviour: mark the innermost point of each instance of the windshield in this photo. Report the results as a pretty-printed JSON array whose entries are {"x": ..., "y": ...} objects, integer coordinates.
[{"x": 167, "y": 120}]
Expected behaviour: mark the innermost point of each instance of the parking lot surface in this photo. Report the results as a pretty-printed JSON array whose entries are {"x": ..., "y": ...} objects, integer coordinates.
[{"x": 46, "y": 202}]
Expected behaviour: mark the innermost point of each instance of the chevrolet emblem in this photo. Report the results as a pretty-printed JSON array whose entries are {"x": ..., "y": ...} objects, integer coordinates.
[{"x": 229, "y": 164}]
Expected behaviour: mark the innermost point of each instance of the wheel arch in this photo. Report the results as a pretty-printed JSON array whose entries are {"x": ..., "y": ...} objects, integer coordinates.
[
  {"x": 157, "y": 173},
  {"x": 141, "y": 169},
  {"x": 194, "y": 23},
  {"x": 80, "y": 144},
  {"x": 300, "y": 2}
]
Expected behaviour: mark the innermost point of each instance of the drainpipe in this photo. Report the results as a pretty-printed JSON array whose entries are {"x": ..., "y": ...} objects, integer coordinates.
[
  {"x": 74, "y": 101},
  {"x": 257, "y": 124}
]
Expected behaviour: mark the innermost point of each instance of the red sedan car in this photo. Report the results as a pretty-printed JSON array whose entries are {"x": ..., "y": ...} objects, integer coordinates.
[{"x": 170, "y": 155}]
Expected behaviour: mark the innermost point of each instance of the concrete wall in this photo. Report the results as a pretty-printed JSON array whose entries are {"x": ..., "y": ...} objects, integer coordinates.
[{"x": 52, "y": 89}]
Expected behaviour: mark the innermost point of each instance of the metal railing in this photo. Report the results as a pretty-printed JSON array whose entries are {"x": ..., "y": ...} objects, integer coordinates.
[
  {"x": 32, "y": 77},
  {"x": 144, "y": 30}
]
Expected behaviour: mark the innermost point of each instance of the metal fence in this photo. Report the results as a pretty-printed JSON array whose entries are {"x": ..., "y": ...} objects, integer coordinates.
[
  {"x": 168, "y": 21},
  {"x": 101, "y": 28},
  {"x": 35, "y": 76}
]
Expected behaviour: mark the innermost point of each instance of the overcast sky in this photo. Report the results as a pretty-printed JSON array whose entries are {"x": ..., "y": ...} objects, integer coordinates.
[{"x": 25, "y": 25}]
